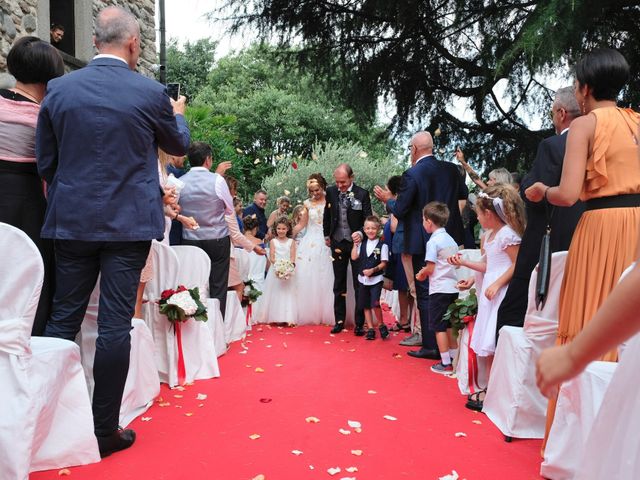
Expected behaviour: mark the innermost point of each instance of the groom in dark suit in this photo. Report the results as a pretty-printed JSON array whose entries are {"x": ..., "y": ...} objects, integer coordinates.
[
  {"x": 97, "y": 143},
  {"x": 547, "y": 168},
  {"x": 347, "y": 207}
]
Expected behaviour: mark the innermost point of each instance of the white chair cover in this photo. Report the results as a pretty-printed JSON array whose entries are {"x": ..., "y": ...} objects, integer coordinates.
[
  {"x": 613, "y": 445},
  {"x": 513, "y": 402},
  {"x": 390, "y": 297},
  {"x": 197, "y": 341},
  {"x": 143, "y": 383},
  {"x": 216, "y": 325},
  {"x": 349, "y": 321},
  {"x": 578, "y": 403},
  {"x": 235, "y": 321},
  {"x": 46, "y": 419}
]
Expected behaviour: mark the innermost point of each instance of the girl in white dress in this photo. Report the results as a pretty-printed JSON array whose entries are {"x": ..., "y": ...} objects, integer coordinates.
[
  {"x": 501, "y": 213},
  {"x": 314, "y": 271},
  {"x": 279, "y": 303}
]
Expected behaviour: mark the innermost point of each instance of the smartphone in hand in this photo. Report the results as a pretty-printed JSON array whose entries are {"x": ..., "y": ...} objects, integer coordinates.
[{"x": 173, "y": 90}]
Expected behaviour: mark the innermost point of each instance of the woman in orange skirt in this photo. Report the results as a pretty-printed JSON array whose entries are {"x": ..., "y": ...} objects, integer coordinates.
[{"x": 601, "y": 168}]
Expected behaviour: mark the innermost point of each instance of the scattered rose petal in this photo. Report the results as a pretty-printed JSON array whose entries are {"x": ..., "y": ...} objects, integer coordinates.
[
  {"x": 268, "y": 346},
  {"x": 358, "y": 430},
  {"x": 327, "y": 342},
  {"x": 372, "y": 392},
  {"x": 351, "y": 469},
  {"x": 453, "y": 476},
  {"x": 296, "y": 452},
  {"x": 64, "y": 471},
  {"x": 239, "y": 151},
  {"x": 201, "y": 405},
  {"x": 357, "y": 453},
  {"x": 259, "y": 370},
  {"x": 248, "y": 366},
  {"x": 345, "y": 432},
  {"x": 259, "y": 477},
  {"x": 287, "y": 192},
  {"x": 396, "y": 355},
  {"x": 437, "y": 133},
  {"x": 337, "y": 250},
  {"x": 389, "y": 417},
  {"x": 284, "y": 344},
  {"x": 242, "y": 351},
  {"x": 279, "y": 365},
  {"x": 460, "y": 434},
  {"x": 254, "y": 436},
  {"x": 201, "y": 396},
  {"x": 477, "y": 422},
  {"x": 352, "y": 349},
  {"x": 354, "y": 424},
  {"x": 178, "y": 406},
  {"x": 256, "y": 161},
  {"x": 294, "y": 165},
  {"x": 164, "y": 404},
  {"x": 363, "y": 155},
  {"x": 265, "y": 400},
  {"x": 312, "y": 419},
  {"x": 145, "y": 419},
  {"x": 311, "y": 467},
  {"x": 333, "y": 470},
  {"x": 178, "y": 396},
  {"x": 348, "y": 478},
  {"x": 189, "y": 414},
  {"x": 180, "y": 388}
]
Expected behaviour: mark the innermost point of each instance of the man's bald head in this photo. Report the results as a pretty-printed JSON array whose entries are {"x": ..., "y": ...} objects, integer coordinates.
[
  {"x": 421, "y": 145},
  {"x": 343, "y": 175},
  {"x": 117, "y": 32}
]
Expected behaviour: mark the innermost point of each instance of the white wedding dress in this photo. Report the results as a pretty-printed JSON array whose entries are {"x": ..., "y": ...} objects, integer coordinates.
[{"x": 314, "y": 272}]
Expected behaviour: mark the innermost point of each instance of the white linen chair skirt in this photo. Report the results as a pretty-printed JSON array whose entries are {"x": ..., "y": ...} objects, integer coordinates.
[
  {"x": 216, "y": 325},
  {"x": 579, "y": 401},
  {"x": 235, "y": 320}
]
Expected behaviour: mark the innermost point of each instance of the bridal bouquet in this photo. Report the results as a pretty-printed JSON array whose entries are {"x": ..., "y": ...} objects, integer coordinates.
[
  {"x": 180, "y": 304},
  {"x": 284, "y": 269},
  {"x": 250, "y": 293}
]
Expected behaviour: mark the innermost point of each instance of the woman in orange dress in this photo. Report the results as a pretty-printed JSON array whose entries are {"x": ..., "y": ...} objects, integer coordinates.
[{"x": 601, "y": 168}]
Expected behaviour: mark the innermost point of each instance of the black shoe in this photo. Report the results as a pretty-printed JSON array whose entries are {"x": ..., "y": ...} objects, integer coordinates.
[
  {"x": 371, "y": 334},
  {"x": 424, "y": 353},
  {"x": 384, "y": 331},
  {"x": 338, "y": 327},
  {"x": 118, "y": 440},
  {"x": 358, "y": 331}
]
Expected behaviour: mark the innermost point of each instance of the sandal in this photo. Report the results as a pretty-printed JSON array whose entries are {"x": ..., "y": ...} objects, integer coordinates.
[
  {"x": 399, "y": 327},
  {"x": 474, "y": 402}
]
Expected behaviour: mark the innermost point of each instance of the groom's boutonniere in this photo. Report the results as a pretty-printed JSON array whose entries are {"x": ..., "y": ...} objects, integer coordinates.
[{"x": 376, "y": 252}]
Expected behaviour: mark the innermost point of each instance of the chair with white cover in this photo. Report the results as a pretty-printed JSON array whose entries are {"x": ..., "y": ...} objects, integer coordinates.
[
  {"x": 143, "y": 384},
  {"x": 198, "y": 352},
  {"x": 578, "y": 405},
  {"x": 46, "y": 420},
  {"x": 579, "y": 401},
  {"x": 235, "y": 319},
  {"x": 196, "y": 264},
  {"x": 513, "y": 402}
]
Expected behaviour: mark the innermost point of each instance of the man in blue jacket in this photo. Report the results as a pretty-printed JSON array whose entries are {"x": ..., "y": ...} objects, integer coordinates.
[
  {"x": 427, "y": 180},
  {"x": 97, "y": 143}
]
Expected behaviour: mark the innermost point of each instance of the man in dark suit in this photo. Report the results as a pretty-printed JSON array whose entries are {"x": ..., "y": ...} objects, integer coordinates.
[
  {"x": 257, "y": 209},
  {"x": 347, "y": 206},
  {"x": 547, "y": 168},
  {"x": 427, "y": 180},
  {"x": 96, "y": 146}
]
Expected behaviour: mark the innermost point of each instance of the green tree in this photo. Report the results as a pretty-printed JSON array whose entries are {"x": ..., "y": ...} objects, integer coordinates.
[
  {"x": 433, "y": 58},
  {"x": 190, "y": 64},
  {"x": 276, "y": 113}
]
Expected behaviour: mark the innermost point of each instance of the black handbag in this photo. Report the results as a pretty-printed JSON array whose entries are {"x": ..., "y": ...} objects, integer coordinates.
[{"x": 544, "y": 264}]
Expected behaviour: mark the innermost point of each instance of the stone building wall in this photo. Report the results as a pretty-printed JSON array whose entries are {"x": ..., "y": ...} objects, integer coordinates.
[{"x": 31, "y": 17}]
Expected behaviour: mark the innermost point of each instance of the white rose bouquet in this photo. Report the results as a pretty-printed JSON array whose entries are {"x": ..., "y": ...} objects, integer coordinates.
[
  {"x": 284, "y": 269},
  {"x": 181, "y": 304}
]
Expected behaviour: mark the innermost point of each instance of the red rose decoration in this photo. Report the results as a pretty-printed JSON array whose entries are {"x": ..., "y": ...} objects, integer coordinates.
[
  {"x": 294, "y": 165},
  {"x": 181, "y": 288},
  {"x": 166, "y": 294}
]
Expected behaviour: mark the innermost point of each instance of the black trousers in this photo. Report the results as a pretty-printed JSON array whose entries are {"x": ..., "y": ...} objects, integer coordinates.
[
  {"x": 22, "y": 205},
  {"x": 218, "y": 251},
  {"x": 341, "y": 252},
  {"x": 422, "y": 299},
  {"x": 78, "y": 264},
  {"x": 514, "y": 305}
]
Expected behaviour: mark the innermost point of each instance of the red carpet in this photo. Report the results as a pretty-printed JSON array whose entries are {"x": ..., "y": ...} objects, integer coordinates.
[{"x": 308, "y": 373}]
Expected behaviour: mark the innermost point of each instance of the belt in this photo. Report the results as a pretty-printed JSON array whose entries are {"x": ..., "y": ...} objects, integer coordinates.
[{"x": 616, "y": 201}]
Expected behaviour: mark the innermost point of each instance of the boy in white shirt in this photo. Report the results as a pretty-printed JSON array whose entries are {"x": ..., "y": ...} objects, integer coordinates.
[
  {"x": 372, "y": 255},
  {"x": 442, "y": 281}
]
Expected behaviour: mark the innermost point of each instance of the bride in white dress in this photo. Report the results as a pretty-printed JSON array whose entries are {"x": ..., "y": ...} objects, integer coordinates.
[{"x": 314, "y": 271}]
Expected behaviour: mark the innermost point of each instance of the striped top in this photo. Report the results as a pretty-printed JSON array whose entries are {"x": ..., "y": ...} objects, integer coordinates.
[{"x": 18, "y": 119}]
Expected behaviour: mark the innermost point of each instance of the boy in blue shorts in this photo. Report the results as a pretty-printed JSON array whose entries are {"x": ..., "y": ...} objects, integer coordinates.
[{"x": 442, "y": 281}]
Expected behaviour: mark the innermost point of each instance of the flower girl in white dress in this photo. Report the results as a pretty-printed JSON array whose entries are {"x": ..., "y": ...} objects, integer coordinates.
[
  {"x": 314, "y": 270},
  {"x": 279, "y": 303}
]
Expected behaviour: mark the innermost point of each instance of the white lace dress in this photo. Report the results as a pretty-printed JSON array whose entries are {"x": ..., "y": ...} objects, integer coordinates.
[
  {"x": 278, "y": 303},
  {"x": 484, "y": 333},
  {"x": 314, "y": 272}
]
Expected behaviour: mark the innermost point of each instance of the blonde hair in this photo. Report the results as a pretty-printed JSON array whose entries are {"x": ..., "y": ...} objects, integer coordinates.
[
  {"x": 512, "y": 205},
  {"x": 501, "y": 175}
]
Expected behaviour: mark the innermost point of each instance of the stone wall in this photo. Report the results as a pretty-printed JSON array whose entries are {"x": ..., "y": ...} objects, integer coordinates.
[{"x": 31, "y": 17}]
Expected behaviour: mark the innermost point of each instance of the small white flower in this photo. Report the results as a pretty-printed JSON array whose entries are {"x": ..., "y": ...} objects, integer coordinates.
[{"x": 184, "y": 301}]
